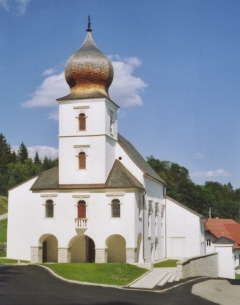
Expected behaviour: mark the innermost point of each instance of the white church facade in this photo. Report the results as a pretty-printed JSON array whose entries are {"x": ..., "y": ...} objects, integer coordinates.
[{"x": 103, "y": 203}]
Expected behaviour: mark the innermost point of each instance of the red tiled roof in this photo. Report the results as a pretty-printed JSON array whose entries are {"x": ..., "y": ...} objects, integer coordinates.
[{"x": 224, "y": 227}]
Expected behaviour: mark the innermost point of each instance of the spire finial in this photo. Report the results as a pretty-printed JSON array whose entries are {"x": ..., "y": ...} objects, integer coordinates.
[{"x": 89, "y": 24}]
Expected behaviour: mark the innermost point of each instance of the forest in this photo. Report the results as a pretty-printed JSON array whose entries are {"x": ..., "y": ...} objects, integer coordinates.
[
  {"x": 224, "y": 201},
  {"x": 16, "y": 167}
]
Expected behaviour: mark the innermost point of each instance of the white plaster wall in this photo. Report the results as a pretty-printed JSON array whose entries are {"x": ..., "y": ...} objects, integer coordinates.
[
  {"x": 225, "y": 261},
  {"x": 100, "y": 144},
  {"x": 20, "y": 221},
  {"x": 110, "y": 155},
  {"x": 209, "y": 249},
  {"x": 95, "y": 171},
  {"x": 97, "y": 117},
  {"x": 129, "y": 164},
  {"x": 152, "y": 242},
  {"x": 236, "y": 253},
  {"x": 183, "y": 231},
  {"x": 27, "y": 222}
]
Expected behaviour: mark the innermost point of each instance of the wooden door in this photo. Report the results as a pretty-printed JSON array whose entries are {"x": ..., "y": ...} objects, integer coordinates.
[{"x": 44, "y": 252}]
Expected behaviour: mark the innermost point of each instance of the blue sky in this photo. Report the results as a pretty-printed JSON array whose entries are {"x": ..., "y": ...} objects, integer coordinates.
[{"x": 177, "y": 75}]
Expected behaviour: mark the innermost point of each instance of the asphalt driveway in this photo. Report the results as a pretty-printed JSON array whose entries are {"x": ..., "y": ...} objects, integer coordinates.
[{"x": 33, "y": 285}]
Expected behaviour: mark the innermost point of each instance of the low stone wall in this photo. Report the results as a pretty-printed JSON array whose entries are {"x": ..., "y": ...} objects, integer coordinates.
[
  {"x": 3, "y": 248},
  {"x": 204, "y": 265}
]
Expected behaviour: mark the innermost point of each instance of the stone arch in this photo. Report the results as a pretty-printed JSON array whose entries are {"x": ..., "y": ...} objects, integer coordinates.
[
  {"x": 49, "y": 245},
  {"x": 116, "y": 245},
  {"x": 82, "y": 248}
]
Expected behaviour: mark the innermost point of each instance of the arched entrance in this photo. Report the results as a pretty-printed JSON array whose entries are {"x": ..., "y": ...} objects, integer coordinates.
[
  {"x": 82, "y": 249},
  {"x": 116, "y": 249},
  {"x": 49, "y": 248}
]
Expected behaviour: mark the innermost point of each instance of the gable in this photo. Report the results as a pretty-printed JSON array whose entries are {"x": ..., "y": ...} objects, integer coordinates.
[
  {"x": 224, "y": 228},
  {"x": 121, "y": 177}
]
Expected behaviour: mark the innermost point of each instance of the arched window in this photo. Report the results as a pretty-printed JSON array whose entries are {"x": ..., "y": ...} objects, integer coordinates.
[
  {"x": 82, "y": 160},
  {"x": 49, "y": 208},
  {"x": 115, "y": 208},
  {"x": 82, "y": 121},
  {"x": 81, "y": 209}
]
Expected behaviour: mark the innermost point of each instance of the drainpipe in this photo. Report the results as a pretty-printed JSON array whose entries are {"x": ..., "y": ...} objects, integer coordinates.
[
  {"x": 164, "y": 188},
  {"x": 144, "y": 225}
]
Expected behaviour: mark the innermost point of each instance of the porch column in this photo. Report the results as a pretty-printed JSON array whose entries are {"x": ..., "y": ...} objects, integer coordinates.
[
  {"x": 131, "y": 255},
  {"x": 36, "y": 255},
  {"x": 64, "y": 255},
  {"x": 100, "y": 255}
]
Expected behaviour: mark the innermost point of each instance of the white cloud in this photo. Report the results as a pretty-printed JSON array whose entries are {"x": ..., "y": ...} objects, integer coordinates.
[
  {"x": 217, "y": 173},
  {"x": 52, "y": 87},
  {"x": 43, "y": 151},
  {"x": 18, "y": 6},
  {"x": 200, "y": 156},
  {"x": 49, "y": 71},
  {"x": 125, "y": 89}
]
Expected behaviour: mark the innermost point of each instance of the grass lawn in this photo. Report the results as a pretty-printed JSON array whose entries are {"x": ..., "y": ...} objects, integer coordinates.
[
  {"x": 110, "y": 274},
  {"x": 237, "y": 276},
  {"x": 11, "y": 261},
  {"x": 167, "y": 263},
  {"x": 238, "y": 267},
  {"x": 3, "y": 205},
  {"x": 3, "y": 231}
]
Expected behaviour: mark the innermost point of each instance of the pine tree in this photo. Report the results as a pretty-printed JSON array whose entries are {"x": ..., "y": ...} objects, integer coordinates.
[{"x": 22, "y": 153}]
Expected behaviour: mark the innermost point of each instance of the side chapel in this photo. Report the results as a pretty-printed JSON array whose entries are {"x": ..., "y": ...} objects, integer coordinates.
[{"x": 103, "y": 203}]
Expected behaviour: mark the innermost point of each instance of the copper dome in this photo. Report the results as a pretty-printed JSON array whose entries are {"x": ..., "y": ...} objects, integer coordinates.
[{"x": 89, "y": 72}]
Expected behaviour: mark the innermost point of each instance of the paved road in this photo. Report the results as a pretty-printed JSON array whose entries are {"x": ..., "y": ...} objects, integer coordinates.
[{"x": 33, "y": 285}]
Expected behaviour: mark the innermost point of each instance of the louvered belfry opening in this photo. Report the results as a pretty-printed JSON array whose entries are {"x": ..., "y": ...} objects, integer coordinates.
[
  {"x": 82, "y": 121},
  {"x": 82, "y": 160},
  {"x": 49, "y": 208},
  {"x": 81, "y": 209},
  {"x": 115, "y": 208}
]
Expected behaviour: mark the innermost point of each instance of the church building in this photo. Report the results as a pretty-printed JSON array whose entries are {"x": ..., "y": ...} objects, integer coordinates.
[{"x": 103, "y": 203}]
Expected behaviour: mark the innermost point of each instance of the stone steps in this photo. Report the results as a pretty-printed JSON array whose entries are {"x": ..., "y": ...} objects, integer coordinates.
[{"x": 157, "y": 277}]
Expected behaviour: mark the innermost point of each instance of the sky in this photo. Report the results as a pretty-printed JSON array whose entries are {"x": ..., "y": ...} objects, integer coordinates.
[{"x": 177, "y": 76}]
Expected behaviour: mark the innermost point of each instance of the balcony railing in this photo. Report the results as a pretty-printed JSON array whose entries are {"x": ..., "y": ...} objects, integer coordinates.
[{"x": 81, "y": 223}]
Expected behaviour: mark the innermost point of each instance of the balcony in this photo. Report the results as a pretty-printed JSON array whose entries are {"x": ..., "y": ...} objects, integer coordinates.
[{"x": 81, "y": 223}]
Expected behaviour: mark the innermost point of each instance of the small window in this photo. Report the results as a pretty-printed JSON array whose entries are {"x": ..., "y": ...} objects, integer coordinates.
[
  {"x": 82, "y": 160},
  {"x": 115, "y": 208},
  {"x": 209, "y": 242},
  {"x": 82, "y": 121},
  {"x": 49, "y": 208}
]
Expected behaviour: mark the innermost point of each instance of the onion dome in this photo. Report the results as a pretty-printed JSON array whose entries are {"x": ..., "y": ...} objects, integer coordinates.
[{"x": 89, "y": 72}]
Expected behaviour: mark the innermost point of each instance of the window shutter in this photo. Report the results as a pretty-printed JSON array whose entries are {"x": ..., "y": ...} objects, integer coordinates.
[
  {"x": 82, "y": 160},
  {"x": 81, "y": 209},
  {"x": 82, "y": 121}
]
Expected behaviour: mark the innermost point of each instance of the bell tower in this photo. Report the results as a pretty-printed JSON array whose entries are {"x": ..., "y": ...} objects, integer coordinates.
[{"x": 87, "y": 118}]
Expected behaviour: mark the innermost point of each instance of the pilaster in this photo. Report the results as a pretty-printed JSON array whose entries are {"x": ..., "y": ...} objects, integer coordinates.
[
  {"x": 101, "y": 255},
  {"x": 36, "y": 255},
  {"x": 131, "y": 255},
  {"x": 64, "y": 255}
]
